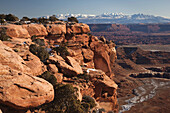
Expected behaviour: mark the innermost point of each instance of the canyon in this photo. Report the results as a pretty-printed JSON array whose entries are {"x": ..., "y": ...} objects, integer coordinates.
[
  {"x": 117, "y": 70},
  {"x": 22, "y": 86}
]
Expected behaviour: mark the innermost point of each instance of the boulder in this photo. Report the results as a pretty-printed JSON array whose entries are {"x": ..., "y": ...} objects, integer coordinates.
[
  {"x": 74, "y": 64},
  {"x": 16, "y": 31},
  {"x": 22, "y": 91},
  {"x": 56, "y": 29},
  {"x": 71, "y": 68},
  {"x": 76, "y": 53},
  {"x": 18, "y": 88},
  {"x": 52, "y": 68},
  {"x": 12, "y": 59},
  {"x": 55, "y": 58},
  {"x": 87, "y": 54},
  {"x": 59, "y": 77},
  {"x": 25, "y": 31},
  {"x": 77, "y": 28},
  {"x": 36, "y": 29},
  {"x": 34, "y": 63}
]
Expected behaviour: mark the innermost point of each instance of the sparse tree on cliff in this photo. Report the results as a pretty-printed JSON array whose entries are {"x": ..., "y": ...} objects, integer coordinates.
[
  {"x": 2, "y": 21},
  {"x": 73, "y": 19},
  {"x": 53, "y": 18},
  {"x": 2, "y": 16},
  {"x": 42, "y": 20},
  {"x": 34, "y": 20},
  {"x": 11, "y": 17},
  {"x": 25, "y": 18}
]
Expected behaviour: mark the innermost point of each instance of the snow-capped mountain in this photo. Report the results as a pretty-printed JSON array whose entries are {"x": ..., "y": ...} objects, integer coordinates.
[{"x": 115, "y": 18}]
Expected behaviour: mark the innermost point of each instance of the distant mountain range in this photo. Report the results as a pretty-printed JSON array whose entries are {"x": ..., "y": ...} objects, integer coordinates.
[{"x": 115, "y": 18}]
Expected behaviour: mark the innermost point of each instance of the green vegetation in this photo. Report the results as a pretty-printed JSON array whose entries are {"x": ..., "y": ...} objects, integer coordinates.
[
  {"x": 11, "y": 17},
  {"x": 53, "y": 18},
  {"x": 34, "y": 20},
  {"x": 42, "y": 20},
  {"x": 90, "y": 100},
  {"x": 2, "y": 21},
  {"x": 65, "y": 101},
  {"x": 39, "y": 41},
  {"x": 2, "y": 16},
  {"x": 25, "y": 19},
  {"x": 3, "y": 35},
  {"x": 49, "y": 77},
  {"x": 39, "y": 51},
  {"x": 84, "y": 76},
  {"x": 62, "y": 50},
  {"x": 73, "y": 19}
]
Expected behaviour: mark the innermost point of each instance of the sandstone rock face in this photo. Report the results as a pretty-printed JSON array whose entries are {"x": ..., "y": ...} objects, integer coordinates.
[
  {"x": 52, "y": 68},
  {"x": 74, "y": 64},
  {"x": 24, "y": 91},
  {"x": 12, "y": 59},
  {"x": 88, "y": 54},
  {"x": 101, "y": 57},
  {"x": 36, "y": 29},
  {"x": 71, "y": 69},
  {"x": 16, "y": 31},
  {"x": 105, "y": 88},
  {"x": 18, "y": 88},
  {"x": 78, "y": 28},
  {"x": 56, "y": 29},
  {"x": 76, "y": 53},
  {"x": 34, "y": 63},
  {"x": 59, "y": 77},
  {"x": 25, "y": 31}
]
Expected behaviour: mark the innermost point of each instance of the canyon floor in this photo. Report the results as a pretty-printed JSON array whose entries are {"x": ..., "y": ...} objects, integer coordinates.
[
  {"x": 151, "y": 97},
  {"x": 144, "y": 94}
]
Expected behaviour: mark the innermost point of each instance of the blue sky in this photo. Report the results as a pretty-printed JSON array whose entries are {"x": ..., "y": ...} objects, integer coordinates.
[{"x": 36, "y": 8}]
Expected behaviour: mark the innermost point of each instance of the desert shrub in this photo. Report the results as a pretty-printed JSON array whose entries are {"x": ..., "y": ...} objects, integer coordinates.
[
  {"x": 102, "y": 110},
  {"x": 73, "y": 19},
  {"x": 11, "y": 17},
  {"x": 84, "y": 76},
  {"x": 39, "y": 51},
  {"x": 62, "y": 50},
  {"x": 39, "y": 42},
  {"x": 86, "y": 106},
  {"x": 33, "y": 37},
  {"x": 90, "y": 100},
  {"x": 49, "y": 77},
  {"x": 53, "y": 18},
  {"x": 65, "y": 101},
  {"x": 3, "y": 35}
]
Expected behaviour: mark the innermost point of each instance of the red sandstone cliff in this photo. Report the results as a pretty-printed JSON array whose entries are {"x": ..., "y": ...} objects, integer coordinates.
[{"x": 84, "y": 51}]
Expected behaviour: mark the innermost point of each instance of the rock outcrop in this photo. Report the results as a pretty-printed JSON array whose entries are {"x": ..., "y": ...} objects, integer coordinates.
[
  {"x": 12, "y": 59},
  {"x": 56, "y": 29},
  {"x": 71, "y": 68},
  {"x": 34, "y": 63},
  {"x": 25, "y": 31},
  {"x": 84, "y": 51},
  {"x": 18, "y": 88},
  {"x": 103, "y": 56},
  {"x": 36, "y": 29},
  {"x": 16, "y": 31},
  {"x": 77, "y": 28},
  {"x": 23, "y": 91},
  {"x": 105, "y": 88}
]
